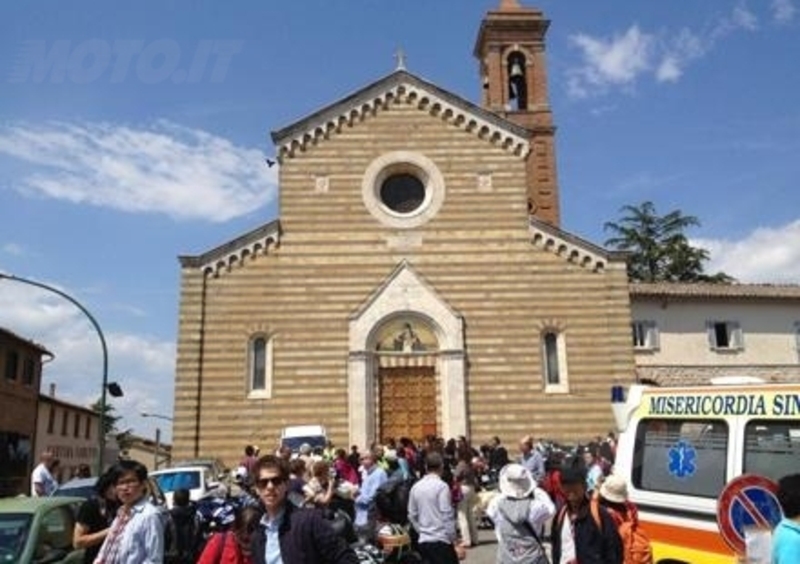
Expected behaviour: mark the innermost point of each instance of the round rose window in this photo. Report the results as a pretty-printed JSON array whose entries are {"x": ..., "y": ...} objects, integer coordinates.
[{"x": 402, "y": 193}]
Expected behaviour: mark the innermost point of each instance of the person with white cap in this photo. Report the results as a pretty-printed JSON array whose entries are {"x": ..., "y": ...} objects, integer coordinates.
[
  {"x": 613, "y": 496},
  {"x": 518, "y": 514}
]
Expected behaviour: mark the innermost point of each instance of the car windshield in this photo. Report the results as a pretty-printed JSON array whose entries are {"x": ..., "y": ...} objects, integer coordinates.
[
  {"x": 171, "y": 481},
  {"x": 295, "y": 443},
  {"x": 14, "y": 529}
]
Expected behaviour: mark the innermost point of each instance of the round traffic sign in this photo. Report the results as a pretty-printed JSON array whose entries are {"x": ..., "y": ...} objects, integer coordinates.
[{"x": 747, "y": 501}]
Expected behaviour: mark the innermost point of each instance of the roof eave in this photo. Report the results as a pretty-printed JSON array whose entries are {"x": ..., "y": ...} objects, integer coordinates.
[
  {"x": 248, "y": 243},
  {"x": 369, "y": 92}
]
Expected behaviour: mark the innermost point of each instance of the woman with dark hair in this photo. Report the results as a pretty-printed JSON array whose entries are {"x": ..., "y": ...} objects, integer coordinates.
[
  {"x": 233, "y": 547},
  {"x": 95, "y": 516},
  {"x": 136, "y": 535}
]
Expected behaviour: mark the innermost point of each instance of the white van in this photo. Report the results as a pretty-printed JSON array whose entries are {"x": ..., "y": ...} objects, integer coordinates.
[
  {"x": 313, "y": 435},
  {"x": 678, "y": 447}
]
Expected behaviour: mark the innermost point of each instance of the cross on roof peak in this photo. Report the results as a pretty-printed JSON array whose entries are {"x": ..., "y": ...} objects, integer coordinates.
[{"x": 401, "y": 59}]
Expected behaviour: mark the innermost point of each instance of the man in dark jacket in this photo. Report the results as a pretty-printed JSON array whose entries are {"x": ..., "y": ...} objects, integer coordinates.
[
  {"x": 583, "y": 531},
  {"x": 290, "y": 534}
]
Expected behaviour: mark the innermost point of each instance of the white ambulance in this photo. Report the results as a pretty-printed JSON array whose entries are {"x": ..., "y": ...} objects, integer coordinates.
[{"x": 678, "y": 447}]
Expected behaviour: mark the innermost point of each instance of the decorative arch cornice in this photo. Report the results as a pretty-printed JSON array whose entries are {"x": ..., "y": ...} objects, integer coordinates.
[
  {"x": 402, "y": 87},
  {"x": 573, "y": 249},
  {"x": 517, "y": 48},
  {"x": 249, "y": 246},
  {"x": 254, "y": 330},
  {"x": 554, "y": 324}
]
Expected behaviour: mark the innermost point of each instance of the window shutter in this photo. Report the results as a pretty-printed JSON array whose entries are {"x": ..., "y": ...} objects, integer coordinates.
[
  {"x": 712, "y": 338},
  {"x": 737, "y": 336},
  {"x": 655, "y": 340},
  {"x": 797, "y": 337}
]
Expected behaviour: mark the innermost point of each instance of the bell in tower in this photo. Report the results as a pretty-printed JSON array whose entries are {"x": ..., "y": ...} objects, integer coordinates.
[
  {"x": 510, "y": 49},
  {"x": 517, "y": 83}
]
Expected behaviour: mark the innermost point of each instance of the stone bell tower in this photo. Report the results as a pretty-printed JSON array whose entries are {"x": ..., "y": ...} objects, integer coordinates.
[{"x": 511, "y": 56}]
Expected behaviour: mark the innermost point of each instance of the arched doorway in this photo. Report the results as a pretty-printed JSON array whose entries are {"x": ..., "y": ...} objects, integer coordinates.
[
  {"x": 406, "y": 351},
  {"x": 404, "y": 294}
]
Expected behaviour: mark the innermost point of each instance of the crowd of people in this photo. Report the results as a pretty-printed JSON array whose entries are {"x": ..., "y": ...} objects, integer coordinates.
[
  {"x": 447, "y": 489},
  {"x": 413, "y": 503}
]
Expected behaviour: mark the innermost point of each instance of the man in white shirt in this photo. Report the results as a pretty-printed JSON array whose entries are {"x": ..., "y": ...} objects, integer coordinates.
[
  {"x": 42, "y": 481},
  {"x": 431, "y": 513}
]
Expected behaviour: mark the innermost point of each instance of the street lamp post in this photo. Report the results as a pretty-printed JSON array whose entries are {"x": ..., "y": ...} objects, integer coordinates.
[
  {"x": 156, "y": 415},
  {"x": 158, "y": 435},
  {"x": 101, "y": 441}
]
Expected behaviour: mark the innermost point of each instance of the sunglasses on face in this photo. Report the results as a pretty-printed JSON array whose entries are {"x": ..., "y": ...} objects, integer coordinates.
[{"x": 274, "y": 481}]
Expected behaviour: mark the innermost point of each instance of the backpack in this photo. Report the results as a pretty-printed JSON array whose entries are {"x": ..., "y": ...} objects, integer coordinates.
[
  {"x": 635, "y": 543},
  {"x": 391, "y": 499},
  {"x": 182, "y": 538}
]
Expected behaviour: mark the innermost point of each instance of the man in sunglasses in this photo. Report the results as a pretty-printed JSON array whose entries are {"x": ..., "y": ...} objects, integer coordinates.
[{"x": 290, "y": 534}]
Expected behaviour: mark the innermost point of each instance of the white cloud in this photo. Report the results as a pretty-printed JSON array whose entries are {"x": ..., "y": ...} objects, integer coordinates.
[
  {"x": 621, "y": 61},
  {"x": 164, "y": 168},
  {"x": 610, "y": 62},
  {"x": 143, "y": 365},
  {"x": 783, "y": 11},
  {"x": 669, "y": 70},
  {"x": 676, "y": 54},
  {"x": 744, "y": 18},
  {"x": 768, "y": 254},
  {"x": 13, "y": 249}
]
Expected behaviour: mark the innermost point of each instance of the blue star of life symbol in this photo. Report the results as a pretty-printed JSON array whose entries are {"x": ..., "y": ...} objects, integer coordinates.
[{"x": 682, "y": 459}]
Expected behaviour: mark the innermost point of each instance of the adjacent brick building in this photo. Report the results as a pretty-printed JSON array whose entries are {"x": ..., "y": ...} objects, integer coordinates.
[
  {"x": 21, "y": 365},
  {"x": 69, "y": 431},
  {"x": 418, "y": 279}
]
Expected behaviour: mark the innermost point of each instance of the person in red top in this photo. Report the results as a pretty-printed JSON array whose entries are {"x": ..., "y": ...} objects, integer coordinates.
[
  {"x": 344, "y": 471},
  {"x": 248, "y": 461},
  {"x": 233, "y": 546},
  {"x": 552, "y": 479}
]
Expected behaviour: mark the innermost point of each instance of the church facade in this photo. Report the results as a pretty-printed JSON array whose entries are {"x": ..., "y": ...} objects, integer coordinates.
[{"x": 418, "y": 280}]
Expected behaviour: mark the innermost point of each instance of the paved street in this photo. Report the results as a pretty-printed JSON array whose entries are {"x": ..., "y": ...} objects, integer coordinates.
[{"x": 485, "y": 552}]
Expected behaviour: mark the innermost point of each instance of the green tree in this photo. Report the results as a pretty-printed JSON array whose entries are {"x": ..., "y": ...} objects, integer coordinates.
[
  {"x": 658, "y": 246},
  {"x": 110, "y": 420}
]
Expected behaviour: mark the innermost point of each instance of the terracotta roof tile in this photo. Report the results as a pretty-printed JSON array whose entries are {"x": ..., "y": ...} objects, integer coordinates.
[{"x": 714, "y": 291}]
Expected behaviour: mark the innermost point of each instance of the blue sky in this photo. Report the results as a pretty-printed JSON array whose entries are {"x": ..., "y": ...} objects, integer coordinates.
[{"x": 130, "y": 135}]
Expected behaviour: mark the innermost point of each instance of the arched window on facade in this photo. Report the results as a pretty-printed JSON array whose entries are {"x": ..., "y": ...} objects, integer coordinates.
[
  {"x": 260, "y": 367},
  {"x": 554, "y": 357}
]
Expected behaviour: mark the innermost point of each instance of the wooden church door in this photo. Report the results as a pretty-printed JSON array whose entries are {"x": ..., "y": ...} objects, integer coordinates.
[{"x": 407, "y": 402}]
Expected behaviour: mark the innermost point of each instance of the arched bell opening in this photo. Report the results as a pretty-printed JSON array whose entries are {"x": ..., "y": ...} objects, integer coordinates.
[{"x": 517, "y": 81}]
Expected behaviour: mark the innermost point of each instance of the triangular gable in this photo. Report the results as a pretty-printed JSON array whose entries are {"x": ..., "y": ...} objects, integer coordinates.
[
  {"x": 404, "y": 291},
  {"x": 407, "y": 88},
  {"x": 572, "y": 248}
]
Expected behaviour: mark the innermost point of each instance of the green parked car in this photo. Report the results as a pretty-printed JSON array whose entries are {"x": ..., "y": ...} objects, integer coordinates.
[{"x": 38, "y": 530}]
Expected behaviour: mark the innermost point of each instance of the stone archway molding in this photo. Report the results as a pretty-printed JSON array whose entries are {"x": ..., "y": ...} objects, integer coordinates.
[{"x": 405, "y": 292}]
